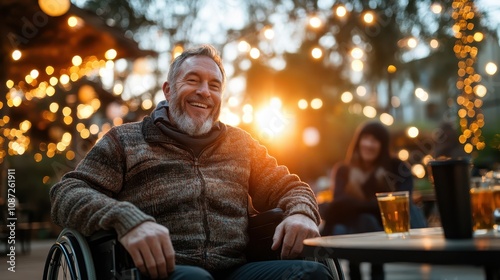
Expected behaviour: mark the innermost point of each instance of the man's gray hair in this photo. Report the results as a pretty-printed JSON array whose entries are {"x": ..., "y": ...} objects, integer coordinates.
[{"x": 206, "y": 50}]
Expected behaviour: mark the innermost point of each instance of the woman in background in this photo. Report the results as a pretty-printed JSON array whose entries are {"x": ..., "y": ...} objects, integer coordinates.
[{"x": 368, "y": 168}]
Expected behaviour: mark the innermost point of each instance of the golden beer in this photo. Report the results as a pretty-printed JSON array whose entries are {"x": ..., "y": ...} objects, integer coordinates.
[
  {"x": 483, "y": 205},
  {"x": 496, "y": 199},
  {"x": 395, "y": 212},
  {"x": 496, "y": 196}
]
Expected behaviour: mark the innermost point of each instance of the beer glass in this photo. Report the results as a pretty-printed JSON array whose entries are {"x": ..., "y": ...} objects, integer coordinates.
[
  {"x": 395, "y": 211},
  {"x": 482, "y": 204}
]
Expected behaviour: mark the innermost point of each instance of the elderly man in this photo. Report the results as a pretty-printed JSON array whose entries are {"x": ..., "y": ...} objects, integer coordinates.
[{"x": 176, "y": 186}]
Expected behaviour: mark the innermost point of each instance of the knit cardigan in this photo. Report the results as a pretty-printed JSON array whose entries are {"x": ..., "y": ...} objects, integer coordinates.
[{"x": 135, "y": 173}]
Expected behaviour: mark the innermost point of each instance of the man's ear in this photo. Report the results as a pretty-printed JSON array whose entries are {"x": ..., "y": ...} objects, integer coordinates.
[{"x": 166, "y": 90}]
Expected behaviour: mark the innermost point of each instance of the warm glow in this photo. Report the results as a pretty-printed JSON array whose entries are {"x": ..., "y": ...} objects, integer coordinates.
[
  {"x": 37, "y": 157},
  {"x": 468, "y": 148},
  {"x": 70, "y": 155},
  {"x": 34, "y": 73},
  {"x": 94, "y": 129},
  {"x": 369, "y": 112},
  {"x": 244, "y": 46},
  {"x": 110, "y": 54},
  {"x": 28, "y": 79},
  {"x": 50, "y": 91},
  {"x": 269, "y": 33},
  {"x": 84, "y": 111},
  {"x": 403, "y": 155},
  {"x": 54, "y": 8},
  {"x": 341, "y": 11},
  {"x": 316, "y": 53},
  {"x": 478, "y": 36},
  {"x": 426, "y": 159},
  {"x": 357, "y": 65},
  {"x": 391, "y": 69},
  {"x": 368, "y": 17},
  {"x": 66, "y": 111},
  {"x": 357, "y": 53},
  {"x": 118, "y": 89},
  {"x": 16, "y": 55},
  {"x": 25, "y": 125},
  {"x": 480, "y": 90},
  {"x": 386, "y": 119},
  {"x": 315, "y": 22},
  {"x": 436, "y": 8},
  {"x": 247, "y": 118},
  {"x": 434, "y": 43},
  {"x": 271, "y": 121},
  {"x": 178, "y": 49},
  {"x": 254, "y": 53},
  {"x": 302, "y": 104},
  {"x": 233, "y": 102},
  {"x": 361, "y": 91},
  {"x": 53, "y": 107},
  {"x": 418, "y": 170},
  {"x": 412, "y": 132},
  {"x": 64, "y": 79},
  {"x": 491, "y": 68},
  {"x": 53, "y": 81},
  {"x": 412, "y": 43},
  {"x": 421, "y": 94},
  {"x": 147, "y": 104},
  {"x": 85, "y": 133},
  {"x": 311, "y": 136},
  {"x": 66, "y": 138},
  {"x": 72, "y": 21},
  {"x": 229, "y": 117},
  {"x": 395, "y": 102},
  {"x": 346, "y": 97},
  {"x": 316, "y": 103},
  {"x": 276, "y": 103},
  {"x": 76, "y": 60},
  {"x": 49, "y": 70}
]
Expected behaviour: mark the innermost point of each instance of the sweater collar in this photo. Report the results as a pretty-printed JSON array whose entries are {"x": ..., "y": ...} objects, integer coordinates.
[{"x": 161, "y": 121}]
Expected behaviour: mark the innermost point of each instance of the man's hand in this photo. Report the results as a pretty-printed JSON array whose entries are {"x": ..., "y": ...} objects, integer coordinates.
[
  {"x": 291, "y": 232},
  {"x": 151, "y": 249}
]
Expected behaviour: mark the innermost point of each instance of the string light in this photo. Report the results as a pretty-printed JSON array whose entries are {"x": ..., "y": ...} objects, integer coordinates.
[
  {"x": 30, "y": 88},
  {"x": 469, "y": 100}
]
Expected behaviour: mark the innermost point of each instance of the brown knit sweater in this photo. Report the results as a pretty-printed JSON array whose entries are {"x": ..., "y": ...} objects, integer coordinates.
[{"x": 135, "y": 173}]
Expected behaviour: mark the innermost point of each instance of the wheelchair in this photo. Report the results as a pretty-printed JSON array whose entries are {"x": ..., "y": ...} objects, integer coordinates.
[{"x": 100, "y": 256}]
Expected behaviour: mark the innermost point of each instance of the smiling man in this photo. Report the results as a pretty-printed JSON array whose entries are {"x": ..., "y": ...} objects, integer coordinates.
[
  {"x": 176, "y": 186},
  {"x": 194, "y": 91}
]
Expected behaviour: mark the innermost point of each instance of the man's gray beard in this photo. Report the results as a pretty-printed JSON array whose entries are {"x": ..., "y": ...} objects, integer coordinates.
[{"x": 185, "y": 123}]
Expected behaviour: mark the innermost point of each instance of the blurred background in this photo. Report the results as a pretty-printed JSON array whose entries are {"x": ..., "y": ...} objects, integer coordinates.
[{"x": 301, "y": 76}]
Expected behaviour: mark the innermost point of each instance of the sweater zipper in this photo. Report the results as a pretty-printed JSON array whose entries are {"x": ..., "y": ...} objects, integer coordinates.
[{"x": 202, "y": 201}]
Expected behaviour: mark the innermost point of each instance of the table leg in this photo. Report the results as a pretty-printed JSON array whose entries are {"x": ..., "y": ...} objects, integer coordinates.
[{"x": 492, "y": 272}]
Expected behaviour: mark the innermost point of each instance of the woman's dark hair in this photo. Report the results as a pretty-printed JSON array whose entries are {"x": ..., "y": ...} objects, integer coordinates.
[{"x": 381, "y": 133}]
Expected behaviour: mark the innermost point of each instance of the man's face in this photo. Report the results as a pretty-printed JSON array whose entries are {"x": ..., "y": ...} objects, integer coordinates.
[{"x": 195, "y": 98}]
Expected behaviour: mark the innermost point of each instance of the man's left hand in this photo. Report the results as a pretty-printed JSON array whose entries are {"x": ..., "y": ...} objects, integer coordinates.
[{"x": 290, "y": 234}]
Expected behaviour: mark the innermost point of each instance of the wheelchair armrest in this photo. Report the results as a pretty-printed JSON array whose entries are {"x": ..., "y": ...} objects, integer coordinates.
[
  {"x": 111, "y": 259},
  {"x": 261, "y": 229}
]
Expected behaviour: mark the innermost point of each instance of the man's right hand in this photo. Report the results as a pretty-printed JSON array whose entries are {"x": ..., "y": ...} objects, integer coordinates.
[{"x": 151, "y": 249}]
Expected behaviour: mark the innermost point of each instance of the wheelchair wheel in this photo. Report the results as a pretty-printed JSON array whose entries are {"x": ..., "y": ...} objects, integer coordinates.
[
  {"x": 69, "y": 258},
  {"x": 333, "y": 265}
]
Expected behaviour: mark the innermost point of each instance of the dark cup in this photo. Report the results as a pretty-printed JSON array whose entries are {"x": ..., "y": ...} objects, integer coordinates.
[{"x": 452, "y": 185}]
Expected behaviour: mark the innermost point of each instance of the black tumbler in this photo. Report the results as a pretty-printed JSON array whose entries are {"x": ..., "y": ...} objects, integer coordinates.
[{"x": 452, "y": 185}]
